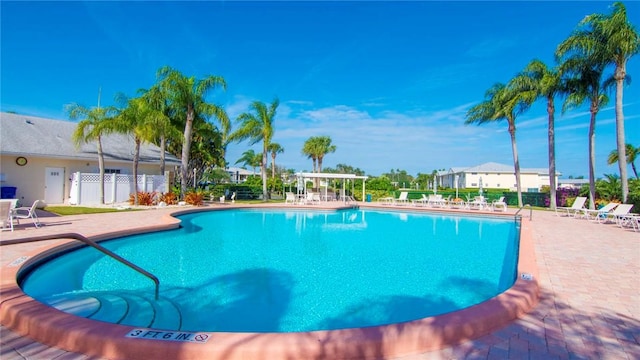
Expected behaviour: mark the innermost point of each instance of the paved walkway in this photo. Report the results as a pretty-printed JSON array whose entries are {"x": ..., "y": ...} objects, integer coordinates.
[{"x": 589, "y": 278}]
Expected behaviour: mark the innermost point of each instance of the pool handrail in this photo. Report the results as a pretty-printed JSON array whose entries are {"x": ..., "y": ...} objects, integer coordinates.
[
  {"x": 105, "y": 251},
  {"x": 530, "y": 211}
]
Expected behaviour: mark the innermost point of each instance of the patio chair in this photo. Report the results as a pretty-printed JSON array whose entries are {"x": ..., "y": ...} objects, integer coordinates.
[
  {"x": 420, "y": 202},
  {"x": 599, "y": 214},
  {"x": 6, "y": 215},
  {"x": 402, "y": 199},
  {"x": 28, "y": 213},
  {"x": 619, "y": 214},
  {"x": 575, "y": 209},
  {"x": 499, "y": 203},
  {"x": 290, "y": 198}
]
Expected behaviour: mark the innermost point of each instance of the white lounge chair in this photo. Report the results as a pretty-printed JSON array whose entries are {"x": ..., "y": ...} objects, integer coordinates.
[
  {"x": 575, "y": 209},
  {"x": 6, "y": 215},
  {"x": 619, "y": 214},
  {"x": 478, "y": 202},
  {"x": 599, "y": 214},
  {"x": 420, "y": 202},
  {"x": 28, "y": 213},
  {"x": 402, "y": 199},
  {"x": 500, "y": 203}
]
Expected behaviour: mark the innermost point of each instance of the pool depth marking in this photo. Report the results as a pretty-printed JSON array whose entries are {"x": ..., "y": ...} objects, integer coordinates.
[{"x": 182, "y": 336}]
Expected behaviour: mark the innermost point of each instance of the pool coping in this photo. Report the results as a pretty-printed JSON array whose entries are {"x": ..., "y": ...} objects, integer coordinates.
[{"x": 23, "y": 314}]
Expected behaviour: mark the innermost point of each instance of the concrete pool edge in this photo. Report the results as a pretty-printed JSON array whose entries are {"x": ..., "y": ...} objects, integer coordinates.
[{"x": 26, "y": 316}]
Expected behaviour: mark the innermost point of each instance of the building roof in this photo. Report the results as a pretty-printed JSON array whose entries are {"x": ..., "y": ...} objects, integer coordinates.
[{"x": 39, "y": 137}]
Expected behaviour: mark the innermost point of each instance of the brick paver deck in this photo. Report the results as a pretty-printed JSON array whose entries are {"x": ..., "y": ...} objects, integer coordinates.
[{"x": 589, "y": 275}]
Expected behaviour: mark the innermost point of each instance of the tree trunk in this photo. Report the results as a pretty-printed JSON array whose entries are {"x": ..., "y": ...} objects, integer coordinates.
[
  {"x": 273, "y": 165},
  {"x": 552, "y": 154},
  {"x": 163, "y": 147},
  {"x": 186, "y": 148},
  {"x": 136, "y": 158},
  {"x": 516, "y": 162},
  {"x": 263, "y": 173},
  {"x": 101, "y": 170},
  {"x": 592, "y": 158},
  {"x": 620, "y": 74}
]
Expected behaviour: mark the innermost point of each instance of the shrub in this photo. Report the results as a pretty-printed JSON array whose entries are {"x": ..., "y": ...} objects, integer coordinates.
[
  {"x": 169, "y": 198},
  {"x": 144, "y": 198},
  {"x": 194, "y": 198}
]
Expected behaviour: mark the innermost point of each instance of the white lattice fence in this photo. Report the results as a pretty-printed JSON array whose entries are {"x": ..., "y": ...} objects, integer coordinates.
[{"x": 85, "y": 187}]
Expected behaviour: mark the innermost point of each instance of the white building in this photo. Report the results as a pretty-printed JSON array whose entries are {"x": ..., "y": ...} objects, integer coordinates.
[{"x": 495, "y": 175}]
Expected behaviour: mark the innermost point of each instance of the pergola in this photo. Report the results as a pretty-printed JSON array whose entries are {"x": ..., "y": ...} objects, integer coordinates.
[{"x": 302, "y": 176}]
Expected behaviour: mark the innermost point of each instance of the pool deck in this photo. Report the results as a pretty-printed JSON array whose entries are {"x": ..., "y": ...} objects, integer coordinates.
[{"x": 588, "y": 273}]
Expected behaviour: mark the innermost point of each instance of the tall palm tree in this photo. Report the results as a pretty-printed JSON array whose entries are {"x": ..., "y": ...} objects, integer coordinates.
[
  {"x": 257, "y": 125},
  {"x": 275, "y": 149},
  {"x": 618, "y": 40},
  {"x": 583, "y": 63},
  {"x": 323, "y": 148},
  {"x": 546, "y": 83},
  {"x": 141, "y": 120},
  {"x": 187, "y": 97},
  {"x": 503, "y": 102},
  {"x": 631, "y": 152},
  {"x": 308, "y": 149},
  {"x": 95, "y": 123},
  {"x": 164, "y": 130}
]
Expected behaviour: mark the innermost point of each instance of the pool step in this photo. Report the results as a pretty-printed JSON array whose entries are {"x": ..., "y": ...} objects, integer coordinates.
[{"x": 126, "y": 308}]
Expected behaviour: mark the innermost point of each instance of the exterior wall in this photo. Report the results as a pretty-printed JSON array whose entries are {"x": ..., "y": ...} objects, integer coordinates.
[
  {"x": 495, "y": 180},
  {"x": 30, "y": 179}
]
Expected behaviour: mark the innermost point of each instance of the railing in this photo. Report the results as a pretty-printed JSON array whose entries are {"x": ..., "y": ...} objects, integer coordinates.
[
  {"x": 104, "y": 250},
  {"x": 530, "y": 211}
]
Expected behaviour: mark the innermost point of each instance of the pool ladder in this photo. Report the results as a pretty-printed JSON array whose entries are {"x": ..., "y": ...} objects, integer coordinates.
[{"x": 105, "y": 251}]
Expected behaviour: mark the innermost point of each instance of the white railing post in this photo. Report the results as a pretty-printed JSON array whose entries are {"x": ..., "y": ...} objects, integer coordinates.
[{"x": 144, "y": 182}]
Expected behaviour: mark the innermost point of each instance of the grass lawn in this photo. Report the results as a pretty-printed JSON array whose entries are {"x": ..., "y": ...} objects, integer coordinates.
[{"x": 80, "y": 210}]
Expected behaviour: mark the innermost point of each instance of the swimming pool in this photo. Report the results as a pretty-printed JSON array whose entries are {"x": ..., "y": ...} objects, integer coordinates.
[{"x": 286, "y": 271}]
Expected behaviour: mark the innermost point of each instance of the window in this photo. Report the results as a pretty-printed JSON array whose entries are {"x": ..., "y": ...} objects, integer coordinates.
[
  {"x": 474, "y": 173},
  {"x": 112, "y": 171},
  {"x": 474, "y": 184}
]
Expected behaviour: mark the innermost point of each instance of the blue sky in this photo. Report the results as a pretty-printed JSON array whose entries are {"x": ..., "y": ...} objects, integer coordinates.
[{"x": 389, "y": 82}]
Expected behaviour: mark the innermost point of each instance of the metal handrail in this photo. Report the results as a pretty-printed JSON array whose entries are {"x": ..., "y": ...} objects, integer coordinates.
[
  {"x": 104, "y": 250},
  {"x": 530, "y": 211}
]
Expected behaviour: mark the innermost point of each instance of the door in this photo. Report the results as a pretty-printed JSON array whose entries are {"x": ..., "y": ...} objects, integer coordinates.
[{"x": 54, "y": 185}]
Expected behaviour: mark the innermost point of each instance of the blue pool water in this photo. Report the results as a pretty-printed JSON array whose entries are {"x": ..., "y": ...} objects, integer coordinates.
[{"x": 286, "y": 270}]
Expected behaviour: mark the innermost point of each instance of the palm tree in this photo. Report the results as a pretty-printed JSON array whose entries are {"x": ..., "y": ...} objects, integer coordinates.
[
  {"x": 323, "y": 148},
  {"x": 95, "y": 123},
  {"x": 503, "y": 102},
  {"x": 632, "y": 153},
  {"x": 275, "y": 149},
  {"x": 618, "y": 41},
  {"x": 187, "y": 97},
  {"x": 583, "y": 64},
  {"x": 309, "y": 150},
  {"x": 163, "y": 130},
  {"x": 142, "y": 120},
  {"x": 257, "y": 125},
  {"x": 250, "y": 158},
  {"x": 546, "y": 83}
]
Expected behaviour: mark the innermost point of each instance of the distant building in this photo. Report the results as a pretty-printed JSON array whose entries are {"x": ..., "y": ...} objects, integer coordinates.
[
  {"x": 495, "y": 175},
  {"x": 572, "y": 183},
  {"x": 240, "y": 175}
]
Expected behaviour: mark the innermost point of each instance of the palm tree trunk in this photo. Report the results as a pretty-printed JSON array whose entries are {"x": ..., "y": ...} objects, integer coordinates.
[
  {"x": 186, "y": 148},
  {"x": 263, "y": 173},
  {"x": 101, "y": 170},
  {"x": 136, "y": 158},
  {"x": 592, "y": 159},
  {"x": 552, "y": 154},
  {"x": 516, "y": 162},
  {"x": 273, "y": 165},
  {"x": 622, "y": 156},
  {"x": 163, "y": 147}
]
